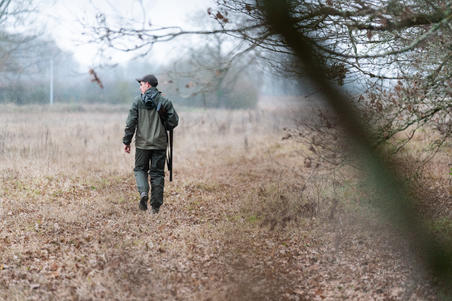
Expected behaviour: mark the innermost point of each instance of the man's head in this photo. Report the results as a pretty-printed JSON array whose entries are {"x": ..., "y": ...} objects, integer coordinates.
[{"x": 147, "y": 82}]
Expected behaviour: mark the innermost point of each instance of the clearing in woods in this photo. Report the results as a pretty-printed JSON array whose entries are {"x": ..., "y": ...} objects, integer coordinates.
[{"x": 238, "y": 222}]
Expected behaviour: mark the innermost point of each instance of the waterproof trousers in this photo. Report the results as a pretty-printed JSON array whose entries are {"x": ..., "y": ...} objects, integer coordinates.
[{"x": 152, "y": 162}]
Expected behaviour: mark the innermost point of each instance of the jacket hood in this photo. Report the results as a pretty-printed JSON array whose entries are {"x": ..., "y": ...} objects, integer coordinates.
[{"x": 149, "y": 98}]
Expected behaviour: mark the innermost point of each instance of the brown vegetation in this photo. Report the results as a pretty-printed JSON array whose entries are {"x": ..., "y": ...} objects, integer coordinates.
[{"x": 244, "y": 219}]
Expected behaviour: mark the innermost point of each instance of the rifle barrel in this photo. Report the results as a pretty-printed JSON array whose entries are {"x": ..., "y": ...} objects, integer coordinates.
[{"x": 170, "y": 161}]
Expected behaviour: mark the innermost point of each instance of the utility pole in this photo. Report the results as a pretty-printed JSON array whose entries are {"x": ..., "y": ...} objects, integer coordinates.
[{"x": 51, "y": 81}]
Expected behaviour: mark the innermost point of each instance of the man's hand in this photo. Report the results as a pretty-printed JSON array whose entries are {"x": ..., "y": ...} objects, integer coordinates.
[{"x": 127, "y": 148}]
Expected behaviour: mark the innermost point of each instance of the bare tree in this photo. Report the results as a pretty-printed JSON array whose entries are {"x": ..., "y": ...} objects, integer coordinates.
[
  {"x": 399, "y": 51},
  {"x": 212, "y": 72},
  {"x": 15, "y": 45}
]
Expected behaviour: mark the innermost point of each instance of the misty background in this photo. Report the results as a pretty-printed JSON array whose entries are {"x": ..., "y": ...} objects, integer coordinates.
[{"x": 46, "y": 56}]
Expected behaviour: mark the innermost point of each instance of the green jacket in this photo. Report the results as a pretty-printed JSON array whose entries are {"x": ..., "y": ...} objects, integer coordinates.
[{"x": 150, "y": 116}]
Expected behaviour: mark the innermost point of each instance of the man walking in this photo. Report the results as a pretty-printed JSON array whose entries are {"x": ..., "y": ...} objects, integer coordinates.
[{"x": 150, "y": 116}]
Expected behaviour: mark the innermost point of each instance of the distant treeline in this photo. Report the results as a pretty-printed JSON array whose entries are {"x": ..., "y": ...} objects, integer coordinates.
[{"x": 122, "y": 92}]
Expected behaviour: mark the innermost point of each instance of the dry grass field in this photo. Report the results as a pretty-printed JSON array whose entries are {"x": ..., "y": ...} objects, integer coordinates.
[{"x": 244, "y": 219}]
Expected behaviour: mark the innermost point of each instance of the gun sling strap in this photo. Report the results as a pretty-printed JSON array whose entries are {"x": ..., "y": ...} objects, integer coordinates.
[{"x": 169, "y": 153}]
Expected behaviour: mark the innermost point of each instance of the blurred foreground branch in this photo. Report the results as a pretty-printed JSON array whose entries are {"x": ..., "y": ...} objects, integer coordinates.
[{"x": 394, "y": 197}]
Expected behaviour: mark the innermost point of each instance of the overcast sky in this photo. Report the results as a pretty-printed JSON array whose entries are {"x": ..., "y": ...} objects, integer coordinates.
[{"x": 62, "y": 19}]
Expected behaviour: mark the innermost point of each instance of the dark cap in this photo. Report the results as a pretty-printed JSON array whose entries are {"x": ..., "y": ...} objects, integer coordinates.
[{"x": 151, "y": 79}]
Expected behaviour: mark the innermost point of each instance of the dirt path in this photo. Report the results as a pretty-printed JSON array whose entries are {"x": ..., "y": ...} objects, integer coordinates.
[{"x": 232, "y": 228}]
